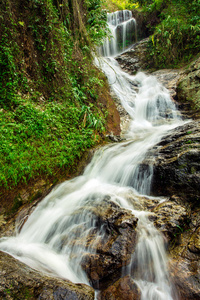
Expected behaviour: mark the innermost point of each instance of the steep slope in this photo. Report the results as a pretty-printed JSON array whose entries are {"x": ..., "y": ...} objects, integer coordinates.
[{"x": 54, "y": 103}]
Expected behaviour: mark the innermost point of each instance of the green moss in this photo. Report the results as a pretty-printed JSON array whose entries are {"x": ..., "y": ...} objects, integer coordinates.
[{"x": 25, "y": 293}]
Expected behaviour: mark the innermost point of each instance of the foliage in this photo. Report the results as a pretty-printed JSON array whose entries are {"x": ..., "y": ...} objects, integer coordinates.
[
  {"x": 96, "y": 21},
  {"x": 125, "y": 4},
  {"x": 177, "y": 38},
  {"x": 49, "y": 87},
  {"x": 36, "y": 141}
]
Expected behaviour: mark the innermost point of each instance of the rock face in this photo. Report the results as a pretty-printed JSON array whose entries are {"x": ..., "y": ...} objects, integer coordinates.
[
  {"x": 134, "y": 60},
  {"x": 123, "y": 289},
  {"x": 177, "y": 163},
  {"x": 110, "y": 243},
  {"x": 186, "y": 278},
  {"x": 177, "y": 174},
  {"x": 170, "y": 218},
  {"x": 185, "y": 263},
  {"x": 169, "y": 79},
  {"x": 18, "y": 281},
  {"x": 188, "y": 91},
  {"x": 183, "y": 84},
  {"x": 105, "y": 249}
]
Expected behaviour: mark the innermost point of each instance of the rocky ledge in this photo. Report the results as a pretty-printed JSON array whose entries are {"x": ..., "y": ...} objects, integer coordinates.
[
  {"x": 176, "y": 161},
  {"x": 177, "y": 164},
  {"x": 134, "y": 59},
  {"x": 103, "y": 251},
  {"x": 17, "y": 281},
  {"x": 183, "y": 84}
]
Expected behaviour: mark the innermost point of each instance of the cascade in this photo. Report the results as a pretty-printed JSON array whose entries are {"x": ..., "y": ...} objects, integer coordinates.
[
  {"x": 123, "y": 33},
  {"x": 46, "y": 241}
]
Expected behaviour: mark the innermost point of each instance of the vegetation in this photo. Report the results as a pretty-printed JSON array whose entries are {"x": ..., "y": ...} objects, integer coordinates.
[
  {"x": 174, "y": 26},
  {"x": 49, "y": 88},
  {"x": 176, "y": 36},
  {"x": 113, "y": 5}
]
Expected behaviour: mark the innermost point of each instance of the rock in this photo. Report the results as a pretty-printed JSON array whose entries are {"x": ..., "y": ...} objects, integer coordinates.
[
  {"x": 106, "y": 248},
  {"x": 109, "y": 244},
  {"x": 18, "y": 281},
  {"x": 177, "y": 163},
  {"x": 177, "y": 174},
  {"x": 140, "y": 202},
  {"x": 123, "y": 289},
  {"x": 169, "y": 78},
  {"x": 194, "y": 243},
  {"x": 183, "y": 84},
  {"x": 186, "y": 279},
  {"x": 113, "y": 138},
  {"x": 185, "y": 259},
  {"x": 188, "y": 88},
  {"x": 134, "y": 59},
  {"x": 124, "y": 116},
  {"x": 171, "y": 219}
]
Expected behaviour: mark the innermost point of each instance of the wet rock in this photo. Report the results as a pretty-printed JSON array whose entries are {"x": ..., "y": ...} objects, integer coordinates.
[
  {"x": 123, "y": 289},
  {"x": 169, "y": 78},
  {"x": 188, "y": 88},
  {"x": 140, "y": 202},
  {"x": 185, "y": 276},
  {"x": 134, "y": 59},
  {"x": 106, "y": 249},
  {"x": 17, "y": 281},
  {"x": 109, "y": 244},
  {"x": 177, "y": 163},
  {"x": 171, "y": 219},
  {"x": 185, "y": 259},
  {"x": 194, "y": 243},
  {"x": 113, "y": 138},
  {"x": 124, "y": 116}
]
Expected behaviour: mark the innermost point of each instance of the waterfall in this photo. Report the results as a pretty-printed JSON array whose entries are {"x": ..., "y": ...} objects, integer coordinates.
[
  {"x": 123, "y": 33},
  {"x": 46, "y": 241}
]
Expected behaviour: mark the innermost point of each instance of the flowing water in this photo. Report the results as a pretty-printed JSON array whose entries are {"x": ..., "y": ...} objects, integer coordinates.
[{"x": 46, "y": 241}]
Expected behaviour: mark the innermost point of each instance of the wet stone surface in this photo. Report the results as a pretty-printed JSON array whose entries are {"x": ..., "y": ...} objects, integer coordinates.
[
  {"x": 123, "y": 289},
  {"x": 109, "y": 244},
  {"x": 18, "y": 281}
]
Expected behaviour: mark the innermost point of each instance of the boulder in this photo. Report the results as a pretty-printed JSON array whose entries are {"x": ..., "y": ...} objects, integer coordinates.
[
  {"x": 194, "y": 243},
  {"x": 109, "y": 244},
  {"x": 134, "y": 59},
  {"x": 177, "y": 163},
  {"x": 177, "y": 175},
  {"x": 169, "y": 78},
  {"x": 171, "y": 219},
  {"x": 185, "y": 259},
  {"x": 102, "y": 251},
  {"x": 18, "y": 281},
  {"x": 123, "y": 289},
  {"x": 185, "y": 276}
]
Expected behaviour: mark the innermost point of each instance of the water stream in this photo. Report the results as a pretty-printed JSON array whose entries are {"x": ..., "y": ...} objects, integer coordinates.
[{"x": 45, "y": 242}]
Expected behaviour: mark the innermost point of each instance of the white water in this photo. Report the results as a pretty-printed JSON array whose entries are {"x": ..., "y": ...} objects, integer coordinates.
[
  {"x": 46, "y": 241},
  {"x": 123, "y": 32}
]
